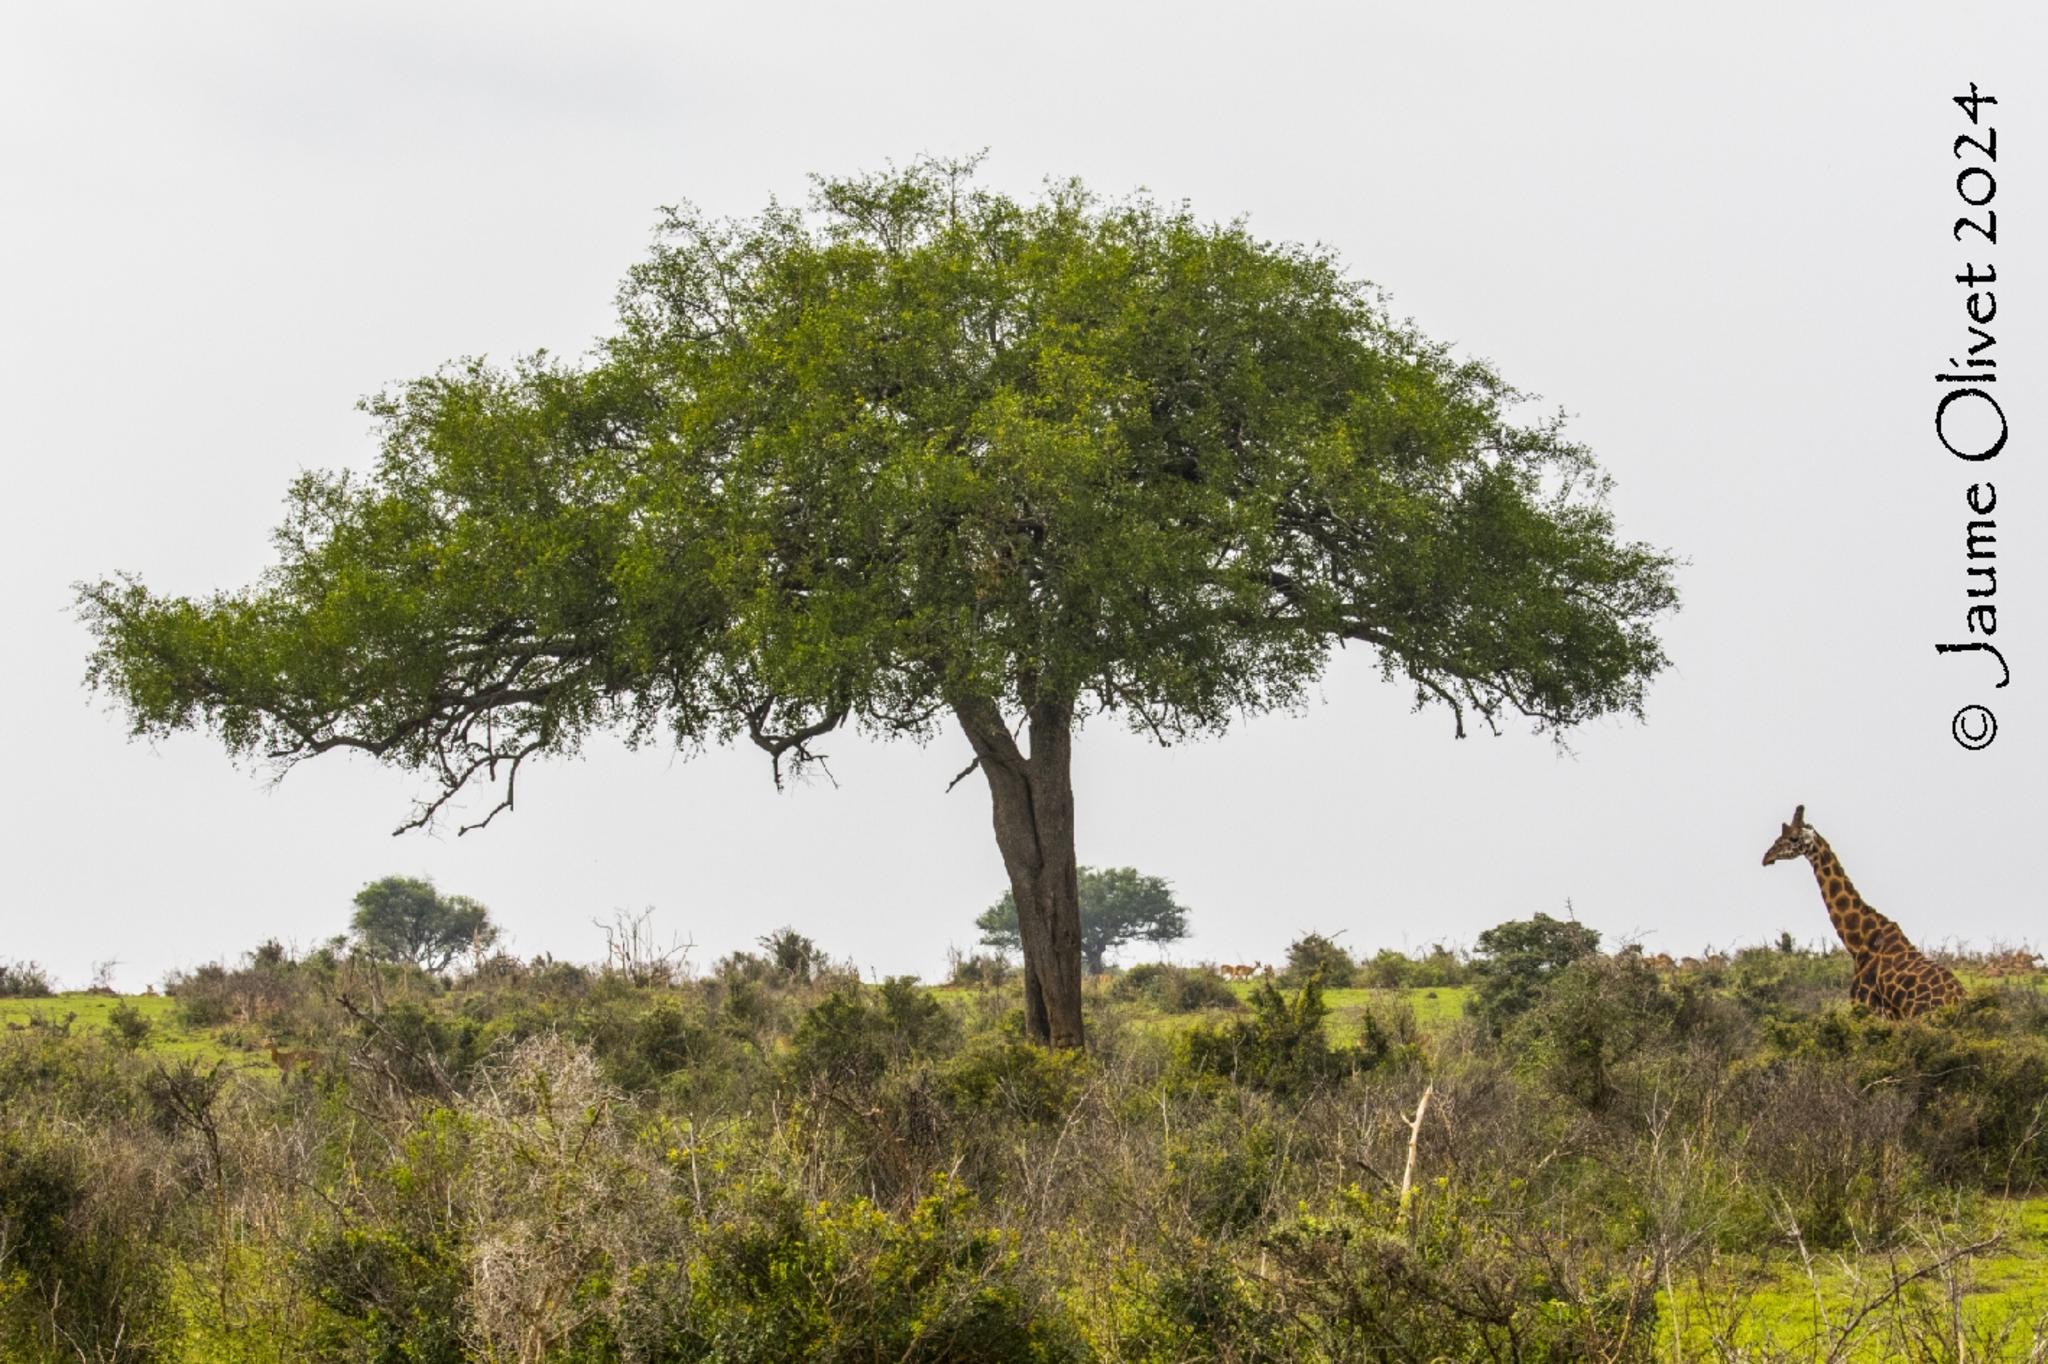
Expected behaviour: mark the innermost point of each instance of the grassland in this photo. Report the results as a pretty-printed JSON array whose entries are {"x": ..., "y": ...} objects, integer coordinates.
[
  {"x": 1719, "y": 1164},
  {"x": 1986, "y": 1303},
  {"x": 92, "y": 1012}
]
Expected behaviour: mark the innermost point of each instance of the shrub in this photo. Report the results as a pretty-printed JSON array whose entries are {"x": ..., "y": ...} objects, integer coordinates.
[
  {"x": 1591, "y": 1015},
  {"x": 1466, "y": 1282},
  {"x": 780, "y": 1279},
  {"x": 1176, "y": 989},
  {"x": 85, "y": 1276},
  {"x": 845, "y": 1040},
  {"x": 1005, "y": 1076},
  {"x": 1975, "y": 1088},
  {"x": 564, "y": 1195},
  {"x": 1314, "y": 954},
  {"x": 1774, "y": 982},
  {"x": 1226, "y": 1172},
  {"x": 131, "y": 1029},
  {"x": 1388, "y": 970},
  {"x": 1439, "y": 968},
  {"x": 793, "y": 958},
  {"x": 1191, "y": 1303},
  {"x": 416, "y": 1049},
  {"x": 749, "y": 967},
  {"x": 991, "y": 969},
  {"x": 24, "y": 980},
  {"x": 1280, "y": 1048},
  {"x": 657, "y": 1044},
  {"x": 392, "y": 1278},
  {"x": 749, "y": 1008},
  {"x": 1517, "y": 959},
  {"x": 267, "y": 985},
  {"x": 1388, "y": 1036},
  {"x": 1828, "y": 1154}
]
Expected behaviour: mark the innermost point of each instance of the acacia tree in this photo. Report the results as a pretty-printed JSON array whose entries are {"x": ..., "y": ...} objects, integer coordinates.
[
  {"x": 404, "y": 918},
  {"x": 1117, "y": 905},
  {"x": 926, "y": 457}
]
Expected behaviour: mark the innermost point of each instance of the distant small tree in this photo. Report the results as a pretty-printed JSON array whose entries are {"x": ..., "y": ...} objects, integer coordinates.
[
  {"x": 24, "y": 980},
  {"x": 1517, "y": 959},
  {"x": 403, "y": 918},
  {"x": 1389, "y": 969},
  {"x": 1117, "y": 906},
  {"x": 1438, "y": 968},
  {"x": 795, "y": 958},
  {"x": 1593, "y": 1014},
  {"x": 1318, "y": 955}
]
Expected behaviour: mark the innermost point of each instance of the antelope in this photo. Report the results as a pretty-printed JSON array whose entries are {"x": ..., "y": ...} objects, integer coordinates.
[{"x": 285, "y": 1060}]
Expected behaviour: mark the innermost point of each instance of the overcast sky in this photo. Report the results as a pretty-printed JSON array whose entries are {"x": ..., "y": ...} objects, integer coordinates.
[{"x": 1722, "y": 244}]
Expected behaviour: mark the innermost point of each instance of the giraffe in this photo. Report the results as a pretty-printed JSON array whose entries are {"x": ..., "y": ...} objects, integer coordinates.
[{"x": 1892, "y": 976}]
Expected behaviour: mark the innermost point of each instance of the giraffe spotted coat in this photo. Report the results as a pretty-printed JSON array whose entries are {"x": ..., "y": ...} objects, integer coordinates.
[{"x": 1892, "y": 977}]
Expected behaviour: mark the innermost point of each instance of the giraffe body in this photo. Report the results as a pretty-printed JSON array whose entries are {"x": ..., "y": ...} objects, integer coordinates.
[{"x": 1892, "y": 977}]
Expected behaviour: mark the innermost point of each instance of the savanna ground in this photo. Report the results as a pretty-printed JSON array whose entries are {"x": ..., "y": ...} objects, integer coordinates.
[{"x": 778, "y": 1161}]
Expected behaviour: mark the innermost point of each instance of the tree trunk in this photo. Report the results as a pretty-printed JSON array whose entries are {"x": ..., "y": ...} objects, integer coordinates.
[{"x": 1033, "y": 796}]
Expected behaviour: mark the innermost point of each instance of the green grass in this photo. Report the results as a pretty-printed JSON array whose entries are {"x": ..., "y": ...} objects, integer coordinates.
[
  {"x": 1435, "y": 1009},
  {"x": 168, "y": 1037},
  {"x": 1784, "y": 1306}
]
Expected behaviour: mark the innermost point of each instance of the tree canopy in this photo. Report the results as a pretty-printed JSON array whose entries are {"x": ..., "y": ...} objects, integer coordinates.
[
  {"x": 1515, "y": 960},
  {"x": 404, "y": 918},
  {"x": 1118, "y": 906},
  {"x": 927, "y": 456}
]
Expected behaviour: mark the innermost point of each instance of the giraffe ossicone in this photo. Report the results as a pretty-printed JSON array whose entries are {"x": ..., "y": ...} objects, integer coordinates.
[{"x": 1892, "y": 977}]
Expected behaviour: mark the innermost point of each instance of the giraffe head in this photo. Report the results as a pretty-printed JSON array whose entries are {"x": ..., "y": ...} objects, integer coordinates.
[{"x": 1794, "y": 839}]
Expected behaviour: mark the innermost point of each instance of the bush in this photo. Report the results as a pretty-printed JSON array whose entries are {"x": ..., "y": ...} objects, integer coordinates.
[
  {"x": 1280, "y": 1048},
  {"x": 1593, "y": 1014},
  {"x": 1517, "y": 959},
  {"x": 1227, "y": 1173},
  {"x": 417, "y": 1050},
  {"x": 793, "y": 958},
  {"x": 665, "y": 1040},
  {"x": 1776, "y": 982},
  {"x": 131, "y": 1029},
  {"x": 392, "y": 1280},
  {"x": 782, "y": 1279},
  {"x": 24, "y": 980},
  {"x": 991, "y": 969},
  {"x": 1193, "y": 1303},
  {"x": 751, "y": 1174},
  {"x": 1439, "y": 969},
  {"x": 267, "y": 986},
  {"x": 1007, "y": 1077},
  {"x": 1176, "y": 989},
  {"x": 85, "y": 1275},
  {"x": 1313, "y": 954},
  {"x": 844, "y": 1040},
  {"x": 1466, "y": 1282},
  {"x": 1388, "y": 970},
  {"x": 1975, "y": 1090},
  {"x": 1827, "y": 1156},
  {"x": 1388, "y": 1036},
  {"x": 743, "y": 967}
]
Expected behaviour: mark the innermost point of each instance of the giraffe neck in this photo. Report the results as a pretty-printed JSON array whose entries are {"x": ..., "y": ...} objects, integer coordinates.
[{"x": 1861, "y": 928}]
